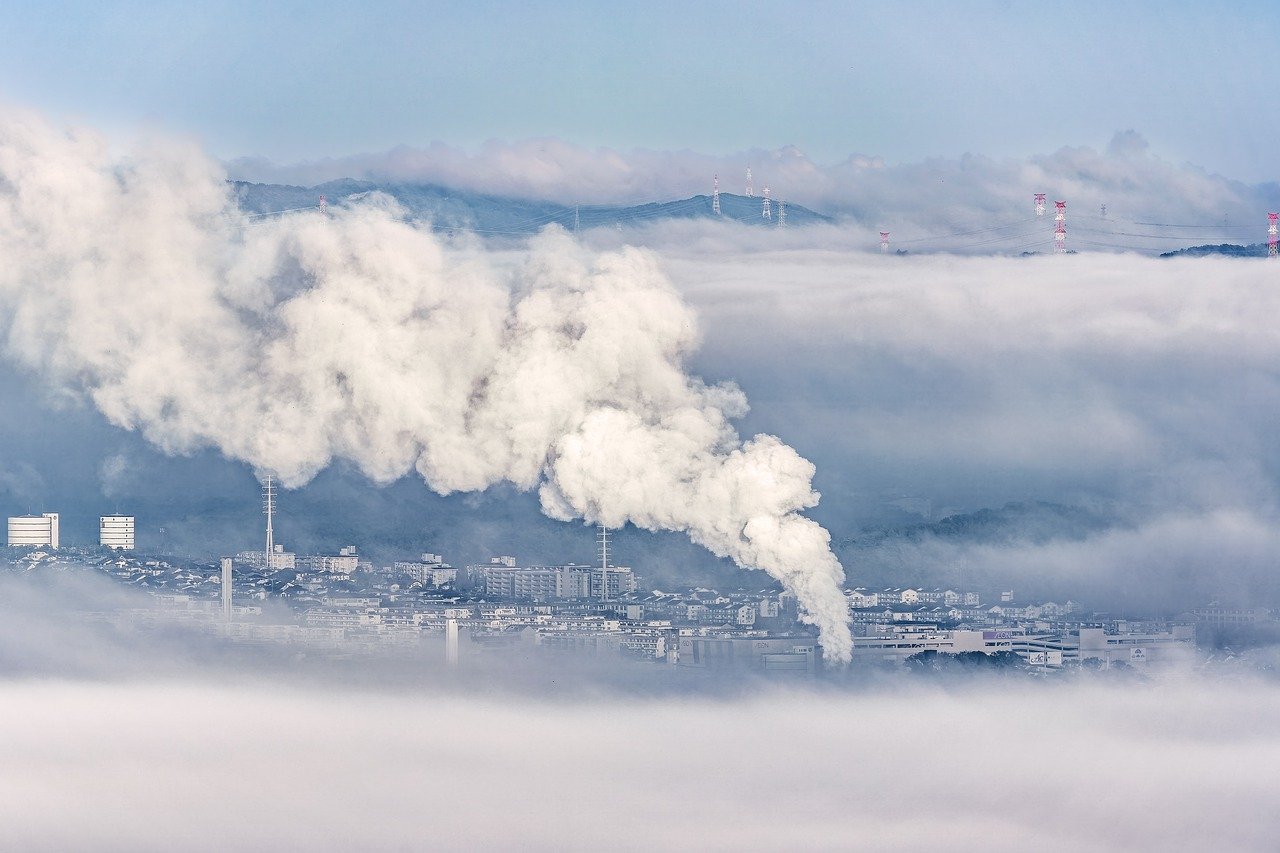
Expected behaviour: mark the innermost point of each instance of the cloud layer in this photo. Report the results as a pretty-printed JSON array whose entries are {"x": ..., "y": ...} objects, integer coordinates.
[{"x": 987, "y": 202}]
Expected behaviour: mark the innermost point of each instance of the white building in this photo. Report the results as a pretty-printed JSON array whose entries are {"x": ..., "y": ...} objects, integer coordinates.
[
  {"x": 431, "y": 571},
  {"x": 33, "y": 530},
  {"x": 280, "y": 559},
  {"x": 116, "y": 532},
  {"x": 344, "y": 562}
]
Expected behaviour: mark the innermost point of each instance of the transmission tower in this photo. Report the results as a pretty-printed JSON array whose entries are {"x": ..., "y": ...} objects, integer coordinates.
[
  {"x": 1104, "y": 211},
  {"x": 782, "y": 214},
  {"x": 602, "y": 541},
  {"x": 764, "y": 209},
  {"x": 269, "y": 508},
  {"x": 751, "y": 189},
  {"x": 1271, "y": 233},
  {"x": 1060, "y": 228},
  {"x": 1039, "y": 204},
  {"x": 324, "y": 205},
  {"x": 715, "y": 195},
  {"x": 884, "y": 242},
  {"x": 577, "y": 222}
]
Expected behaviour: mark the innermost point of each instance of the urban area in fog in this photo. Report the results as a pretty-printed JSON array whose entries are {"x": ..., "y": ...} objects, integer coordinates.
[{"x": 658, "y": 426}]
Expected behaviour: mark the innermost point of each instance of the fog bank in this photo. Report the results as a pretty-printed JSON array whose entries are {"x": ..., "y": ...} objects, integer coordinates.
[{"x": 1177, "y": 766}]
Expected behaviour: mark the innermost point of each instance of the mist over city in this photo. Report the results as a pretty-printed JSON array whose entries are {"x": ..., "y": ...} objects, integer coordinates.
[{"x": 582, "y": 427}]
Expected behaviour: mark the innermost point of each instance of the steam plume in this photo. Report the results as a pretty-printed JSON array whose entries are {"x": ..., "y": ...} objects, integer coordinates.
[{"x": 297, "y": 341}]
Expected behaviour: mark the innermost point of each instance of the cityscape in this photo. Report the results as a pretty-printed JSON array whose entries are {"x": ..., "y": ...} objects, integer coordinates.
[
  {"x": 343, "y": 605},
  {"x": 645, "y": 427}
]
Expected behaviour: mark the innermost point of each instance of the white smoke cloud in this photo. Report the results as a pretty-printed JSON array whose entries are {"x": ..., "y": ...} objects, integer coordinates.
[{"x": 294, "y": 342}]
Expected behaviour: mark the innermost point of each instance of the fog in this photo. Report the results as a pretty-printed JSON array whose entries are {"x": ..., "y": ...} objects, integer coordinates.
[
  {"x": 150, "y": 739},
  {"x": 938, "y": 195},
  {"x": 1184, "y": 766}
]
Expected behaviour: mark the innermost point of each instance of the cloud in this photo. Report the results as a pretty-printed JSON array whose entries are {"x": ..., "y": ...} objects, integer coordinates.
[
  {"x": 1142, "y": 388},
  {"x": 987, "y": 201}
]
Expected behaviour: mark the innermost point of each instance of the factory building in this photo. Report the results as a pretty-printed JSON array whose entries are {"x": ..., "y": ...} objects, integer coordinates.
[
  {"x": 1106, "y": 647},
  {"x": 27, "y": 531},
  {"x": 116, "y": 532}
]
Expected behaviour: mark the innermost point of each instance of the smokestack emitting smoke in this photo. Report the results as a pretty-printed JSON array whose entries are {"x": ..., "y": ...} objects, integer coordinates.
[{"x": 291, "y": 342}]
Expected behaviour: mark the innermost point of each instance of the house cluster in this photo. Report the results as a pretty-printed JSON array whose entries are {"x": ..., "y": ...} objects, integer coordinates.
[
  {"x": 344, "y": 604},
  {"x": 942, "y": 606}
]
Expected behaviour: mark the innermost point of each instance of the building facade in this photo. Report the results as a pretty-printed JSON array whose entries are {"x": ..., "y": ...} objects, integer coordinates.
[
  {"x": 116, "y": 532},
  {"x": 27, "y": 531}
]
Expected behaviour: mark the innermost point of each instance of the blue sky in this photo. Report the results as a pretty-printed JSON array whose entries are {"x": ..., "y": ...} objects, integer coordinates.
[{"x": 295, "y": 81}]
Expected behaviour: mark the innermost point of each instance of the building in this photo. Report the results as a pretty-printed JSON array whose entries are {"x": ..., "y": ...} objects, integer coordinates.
[
  {"x": 280, "y": 559},
  {"x": 545, "y": 583},
  {"x": 431, "y": 571},
  {"x": 1103, "y": 646},
  {"x": 344, "y": 562},
  {"x": 116, "y": 532},
  {"x": 766, "y": 654},
  {"x": 27, "y": 531}
]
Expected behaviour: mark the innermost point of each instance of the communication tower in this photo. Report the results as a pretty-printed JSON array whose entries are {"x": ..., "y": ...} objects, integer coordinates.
[
  {"x": 1271, "y": 233},
  {"x": 1039, "y": 204},
  {"x": 751, "y": 188},
  {"x": 602, "y": 541},
  {"x": 715, "y": 195},
  {"x": 269, "y": 508},
  {"x": 1060, "y": 228},
  {"x": 764, "y": 209},
  {"x": 884, "y": 241}
]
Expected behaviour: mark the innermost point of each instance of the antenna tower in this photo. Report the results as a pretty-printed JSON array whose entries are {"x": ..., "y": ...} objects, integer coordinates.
[
  {"x": 715, "y": 195},
  {"x": 1271, "y": 233},
  {"x": 764, "y": 209},
  {"x": 269, "y": 507},
  {"x": 884, "y": 241},
  {"x": 1060, "y": 228},
  {"x": 751, "y": 187},
  {"x": 602, "y": 541},
  {"x": 1039, "y": 204}
]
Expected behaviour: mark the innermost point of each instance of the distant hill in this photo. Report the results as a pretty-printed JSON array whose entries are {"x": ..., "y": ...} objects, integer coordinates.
[
  {"x": 498, "y": 215},
  {"x": 1254, "y": 250},
  {"x": 1037, "y": 522}
]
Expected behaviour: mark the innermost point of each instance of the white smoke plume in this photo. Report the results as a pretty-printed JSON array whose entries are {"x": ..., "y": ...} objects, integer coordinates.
[{"x": 297, "y": 341}]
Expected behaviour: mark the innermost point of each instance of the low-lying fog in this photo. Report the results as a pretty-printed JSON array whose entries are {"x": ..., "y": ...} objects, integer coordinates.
[
  {"x": 1182, "y": 765},
  {"x": 156, "y": 739}
]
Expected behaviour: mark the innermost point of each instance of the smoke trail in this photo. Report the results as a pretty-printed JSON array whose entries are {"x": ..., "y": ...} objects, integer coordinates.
[{"x": 293, "y": 342}]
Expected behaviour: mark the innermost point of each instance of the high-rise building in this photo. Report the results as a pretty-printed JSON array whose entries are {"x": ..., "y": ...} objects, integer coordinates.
[
  {"x": 34, "y": 530},
  {"x": 116, "y": 532}
]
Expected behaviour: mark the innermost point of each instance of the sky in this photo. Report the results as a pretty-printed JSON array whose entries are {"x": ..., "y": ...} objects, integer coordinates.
[{"x": 301, "y": 81}]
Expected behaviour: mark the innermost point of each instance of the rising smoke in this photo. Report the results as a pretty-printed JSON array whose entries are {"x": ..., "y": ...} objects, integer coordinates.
[{"x": 294, "y": 342}]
